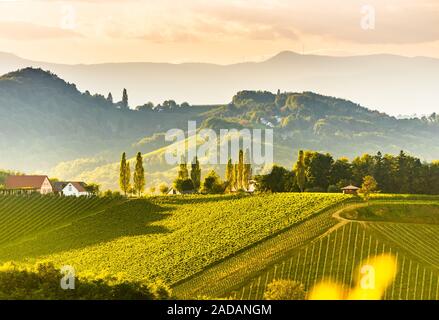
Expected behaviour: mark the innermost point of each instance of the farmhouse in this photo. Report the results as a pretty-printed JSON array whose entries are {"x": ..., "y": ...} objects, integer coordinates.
[
  {"x": 76, "y": 189},
  {"x": 28, "y": 184},
  {"x": 350, "y": 189}
]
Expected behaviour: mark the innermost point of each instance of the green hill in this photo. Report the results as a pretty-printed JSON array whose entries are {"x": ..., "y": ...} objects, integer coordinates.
[
  {"x": 50, "y": 121},
  {"x": 228, "y": 246},
  {"x": 170, "y": 238}
]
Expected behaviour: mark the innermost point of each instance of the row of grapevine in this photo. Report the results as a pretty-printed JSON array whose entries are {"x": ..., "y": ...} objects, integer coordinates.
[
  {"x": 419, "y": 240},
  {"x": 171, "y": 238},
  {"x": 218, "y": 279},
  {"x": 337, "y": 257}
]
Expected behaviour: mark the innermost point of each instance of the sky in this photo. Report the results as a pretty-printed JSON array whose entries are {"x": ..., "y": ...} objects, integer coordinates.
[{"x": 222, "y": 32}]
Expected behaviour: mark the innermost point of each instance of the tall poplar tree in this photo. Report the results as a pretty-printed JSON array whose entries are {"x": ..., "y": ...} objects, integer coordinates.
[
  {"x": 229, "y": 175},
  {"x": 110, "y": 97},
  {"x": 183, "y": 173},
  {"x": 128, "y": 177},
  {"x": 124, "y": 175},
  {"x": 235, "y": 177},
  {"x": 139, "y": 175},
  {"x": 247, "y": 170},
  {"x": 125, "y": 99},
  {"x": 240, "y": 169},
  {"x": 299, "y": 169},
  {"x": 196, "y": 174}
]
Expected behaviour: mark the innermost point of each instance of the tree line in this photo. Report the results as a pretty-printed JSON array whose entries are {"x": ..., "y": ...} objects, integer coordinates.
[
  {"x": 312, "y": 172},
  {"x": 319, "y": 172},
  {"x": 138, "y": 185},
  {"x": 237, "y": 177}
]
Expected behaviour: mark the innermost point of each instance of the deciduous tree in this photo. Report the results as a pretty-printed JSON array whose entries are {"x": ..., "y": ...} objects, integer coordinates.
[{"x": 368, "y": 187}]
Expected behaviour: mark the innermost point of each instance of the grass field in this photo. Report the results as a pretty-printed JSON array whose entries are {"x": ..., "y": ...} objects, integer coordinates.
[{"x": 229, "y": 246}]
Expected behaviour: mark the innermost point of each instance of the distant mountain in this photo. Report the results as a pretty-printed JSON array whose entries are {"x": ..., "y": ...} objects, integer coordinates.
[
  {"x": 392, "y": 84},
  {"x": 48, "y": 125}
]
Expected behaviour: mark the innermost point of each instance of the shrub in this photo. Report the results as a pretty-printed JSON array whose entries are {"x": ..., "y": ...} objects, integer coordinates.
[
  {"x": 164, "y": 188},
  {"x": 42, "y": 282},
  {"x": 284, "y": 290},
  {"x": 213, "y": 184},
  {"x": 183, "y": 185},
  {"x": 333, "y": 189},
  {"x": 315, "y": 190}
]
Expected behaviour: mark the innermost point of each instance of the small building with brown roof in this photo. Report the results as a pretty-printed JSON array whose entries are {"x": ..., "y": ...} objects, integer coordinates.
[
  {"x": 58, "y": 186},
  {"x": 29, "y": 184},
  {"x": 350, "y": 189}
]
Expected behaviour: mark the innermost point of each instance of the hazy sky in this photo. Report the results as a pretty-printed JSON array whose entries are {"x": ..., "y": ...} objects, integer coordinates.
[{"x": 91, "y": 31}]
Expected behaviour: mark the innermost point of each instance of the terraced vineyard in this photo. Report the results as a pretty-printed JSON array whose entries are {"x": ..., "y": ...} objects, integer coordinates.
[
  {"x": 228, "y": 246},
  {"x": 170, "y": 238},
  {"x": 217, "y": 280},
  {"x": 23, "y": 216}
]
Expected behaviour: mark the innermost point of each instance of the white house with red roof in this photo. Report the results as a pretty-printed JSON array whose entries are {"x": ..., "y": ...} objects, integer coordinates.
[{"x": 76, "y": 189}]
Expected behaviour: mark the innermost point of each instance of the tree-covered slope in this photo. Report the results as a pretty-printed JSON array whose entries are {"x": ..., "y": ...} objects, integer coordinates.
[
  {"x": 47, "y": 123},
  {"x": 45, "y": 120}
]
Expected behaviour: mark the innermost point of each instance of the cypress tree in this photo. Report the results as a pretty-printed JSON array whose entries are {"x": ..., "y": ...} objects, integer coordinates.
[
  {"x": 125, "y": 99},
  {"x": 110, "y": 97}
]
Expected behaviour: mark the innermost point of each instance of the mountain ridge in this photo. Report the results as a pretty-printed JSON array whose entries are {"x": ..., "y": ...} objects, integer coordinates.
[{"x": 376, "y": 81}]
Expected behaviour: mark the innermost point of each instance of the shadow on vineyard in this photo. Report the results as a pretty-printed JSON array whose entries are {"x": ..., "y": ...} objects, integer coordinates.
[{"x": 132, "y": 218}]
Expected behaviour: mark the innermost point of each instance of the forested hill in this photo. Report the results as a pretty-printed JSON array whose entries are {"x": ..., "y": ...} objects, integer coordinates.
[
  {"x": 45, "y": 120},
  {"x": 312, "y": 121},
  {"x": 320, "y": 113}
]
